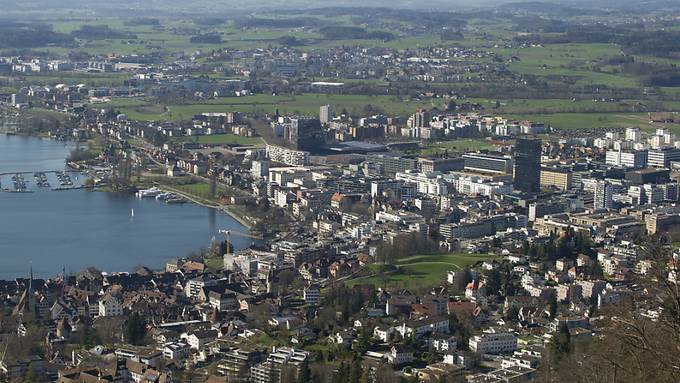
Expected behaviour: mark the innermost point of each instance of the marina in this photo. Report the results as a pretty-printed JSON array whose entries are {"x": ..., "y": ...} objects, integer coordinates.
[{"x": 81, "y": 228}]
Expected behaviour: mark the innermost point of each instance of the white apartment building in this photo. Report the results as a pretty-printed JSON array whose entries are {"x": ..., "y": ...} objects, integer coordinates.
[
  {"x": 473, "y": 185},
  {"x": 287, "y": 156},
  {"x": 633, "y": 134},
  {"x": 428, "y": 183},
  {"x": 629, "y": 159},
  {"x": 492, "y": 342}
]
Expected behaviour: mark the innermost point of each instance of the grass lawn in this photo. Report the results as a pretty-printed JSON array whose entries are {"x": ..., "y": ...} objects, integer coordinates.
[
  {"x": 421, "y": 271},
  {"x": 221, "y": 139},
  {"x": 215, "y": 263}
]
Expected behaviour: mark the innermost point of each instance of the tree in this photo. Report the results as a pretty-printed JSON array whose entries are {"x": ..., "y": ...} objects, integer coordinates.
[
  {"x": 561, "y": 342},
  {"x": 135, "y": 329},
  {"x": 596, "y": 269},
  {"x": 553, "y": 306},
  {"x": 493, "y": 282},
  {"x": 462, "y": 278}
]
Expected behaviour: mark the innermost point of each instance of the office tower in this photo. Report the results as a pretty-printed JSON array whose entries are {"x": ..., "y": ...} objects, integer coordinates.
[
  {"x": 306, "y": 134},
  {"x": 527, "y": 170}
]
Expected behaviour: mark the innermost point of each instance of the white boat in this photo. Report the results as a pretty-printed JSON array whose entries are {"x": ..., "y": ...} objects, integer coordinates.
[
  {"x": 132, "y": 213},
  {"x": 165, "y": 196},
  {"x": 149, "y": 193}
]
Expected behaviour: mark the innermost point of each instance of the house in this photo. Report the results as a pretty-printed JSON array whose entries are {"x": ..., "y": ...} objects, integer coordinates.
[
  {"x": 400, "y": 303},
  {"x": 343, "y": 338},
  {"x": 223, "y": 301},
  {"x": 440, "y": 372},
  {"x": 420, "y": 328},
  {"x": 383, "y": 332},
  {"x": 176, "y": 350},
  {"x": 475, "y": 290},
  {"x": 400, "y": 355},
  {"x": 443, "y": 343},
  {"x": 199, "y": 338},
  {"x": 110, "y": 306},
  {"x": 142, "y": 373}
]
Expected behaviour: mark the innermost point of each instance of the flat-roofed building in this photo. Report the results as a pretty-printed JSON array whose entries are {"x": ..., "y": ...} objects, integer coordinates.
[
  {"x": 558, "y": 177},
  {"x": 488, "y": 163}
]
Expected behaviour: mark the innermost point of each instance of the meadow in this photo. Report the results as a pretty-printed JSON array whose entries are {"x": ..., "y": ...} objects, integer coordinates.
[{"x": 418, "y": 272}]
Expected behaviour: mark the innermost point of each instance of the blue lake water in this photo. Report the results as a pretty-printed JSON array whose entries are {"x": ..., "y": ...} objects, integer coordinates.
[{"x": 77, "y": 229}]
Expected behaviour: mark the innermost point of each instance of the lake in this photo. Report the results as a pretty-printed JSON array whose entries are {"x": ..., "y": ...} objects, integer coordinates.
[{"x": 77, "y": 229}]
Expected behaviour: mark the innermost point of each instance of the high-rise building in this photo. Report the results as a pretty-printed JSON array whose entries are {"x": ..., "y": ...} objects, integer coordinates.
[
  {"x": 604, "y": 194},
  {"x": 633, "y": 134},
  {"x": 326, "y": 113},
  {"x": 527, "y": 170},
  {"x": 420, "y": 119},
  {"x": 306, "y": 134}
]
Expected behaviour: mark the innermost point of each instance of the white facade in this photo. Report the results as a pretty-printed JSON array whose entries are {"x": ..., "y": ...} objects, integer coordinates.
[
  {"x": 471, "y": 185},
  {"x": 634, "y": 159},
  {"x": 427, "y": 183},
  {"x": 287, "y": 156},
  {"x": 493, "y": 343},
  {"x": 109, "y": 306}
]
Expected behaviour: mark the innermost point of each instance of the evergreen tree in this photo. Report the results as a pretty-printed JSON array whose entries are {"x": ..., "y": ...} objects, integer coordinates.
[
  {"x": 553, "y": 306},
  {"x": 493, "y": 282},
  {"x": 561, "y": 343},
  {"x": 135, "y": 329}
]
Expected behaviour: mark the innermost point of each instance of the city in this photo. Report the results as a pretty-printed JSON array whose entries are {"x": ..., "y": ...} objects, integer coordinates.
[{"x": 293, "y": 193}]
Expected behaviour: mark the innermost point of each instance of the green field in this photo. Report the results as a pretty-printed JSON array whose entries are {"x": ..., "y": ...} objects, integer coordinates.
[
  {"x": 571, "y": 62},
  {"x": 420, "y": 271},
  {"x": 594, "y": 120},
  {"x": 220, "y": 139},
  {"x": 306, "y": 104}
]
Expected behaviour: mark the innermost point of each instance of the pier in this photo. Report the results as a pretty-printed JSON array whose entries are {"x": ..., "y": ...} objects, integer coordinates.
[{"x": 20, "y": 182}]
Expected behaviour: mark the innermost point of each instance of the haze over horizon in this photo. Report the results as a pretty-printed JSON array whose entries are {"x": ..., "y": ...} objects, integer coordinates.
[{"x": 200, "y": 6}]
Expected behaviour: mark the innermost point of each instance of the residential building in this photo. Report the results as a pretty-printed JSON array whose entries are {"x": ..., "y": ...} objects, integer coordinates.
[{"x": 493, "y": 342}]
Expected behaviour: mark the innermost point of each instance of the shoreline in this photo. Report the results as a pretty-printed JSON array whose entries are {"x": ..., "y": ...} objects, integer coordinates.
[{"x": 196, "y": 200}]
